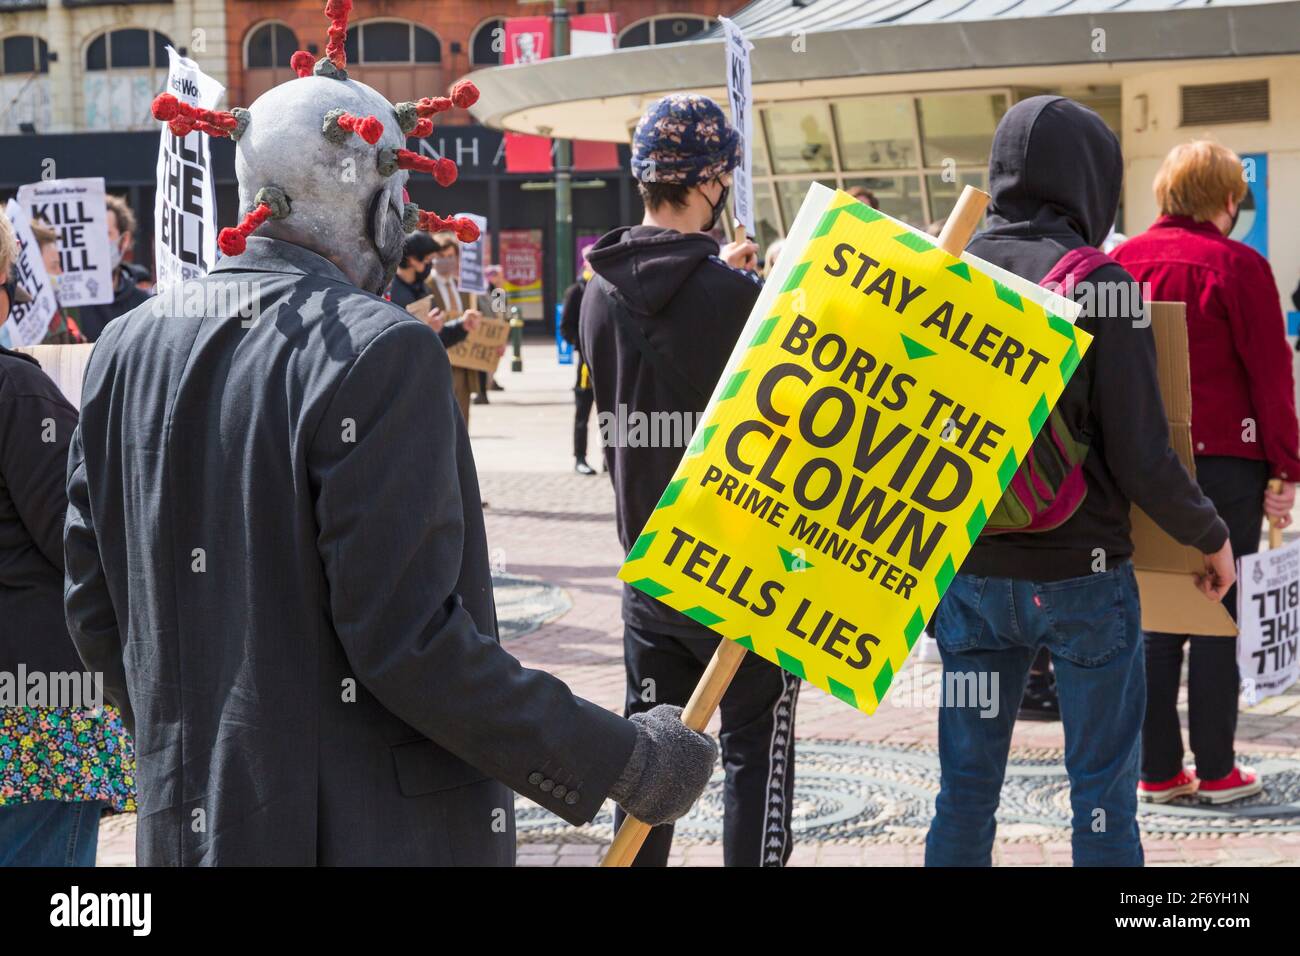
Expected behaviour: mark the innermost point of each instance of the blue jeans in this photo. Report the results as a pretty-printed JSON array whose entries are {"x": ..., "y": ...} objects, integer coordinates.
[
  {"x": 49, "y": 833},
  {"x": 990, "y": 629}
]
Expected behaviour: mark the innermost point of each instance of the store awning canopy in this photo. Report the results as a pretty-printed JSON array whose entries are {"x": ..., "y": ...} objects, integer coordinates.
[{"x": 824, "y": 47}]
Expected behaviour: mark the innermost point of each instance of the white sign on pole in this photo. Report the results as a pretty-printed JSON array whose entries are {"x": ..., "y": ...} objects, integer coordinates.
[
  {"x": 185, "y": 211},
  {"x": 741, "y": 100},
  {"x": 29, "y": 321},
  {"x": 75, "y": 208},
  {"x": 472, "y": 277},
  {"x": 1268, "y": 616}
]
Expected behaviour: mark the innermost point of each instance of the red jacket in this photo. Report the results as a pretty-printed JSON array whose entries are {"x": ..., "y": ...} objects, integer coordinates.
[{"x": 1240, "y": 357}]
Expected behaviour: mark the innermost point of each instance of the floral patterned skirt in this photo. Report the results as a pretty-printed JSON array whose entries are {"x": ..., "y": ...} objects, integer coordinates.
[{"x": 69, "y": 755}]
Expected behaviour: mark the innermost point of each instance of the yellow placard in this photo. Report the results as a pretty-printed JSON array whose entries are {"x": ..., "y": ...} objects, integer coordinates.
[{"x": 878, "y": 402}]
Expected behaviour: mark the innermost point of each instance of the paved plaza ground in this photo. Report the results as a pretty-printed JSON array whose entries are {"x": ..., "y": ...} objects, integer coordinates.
[{"x": 864, "y": 786}]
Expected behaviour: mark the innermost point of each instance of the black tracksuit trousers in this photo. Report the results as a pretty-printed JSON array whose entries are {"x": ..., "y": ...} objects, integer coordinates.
[
  {"x": 1236, "y": 486},
  {"x": 757, "y": 742}
]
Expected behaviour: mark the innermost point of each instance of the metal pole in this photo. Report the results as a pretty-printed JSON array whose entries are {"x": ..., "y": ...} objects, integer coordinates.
[{"x": 563, "y": 171}]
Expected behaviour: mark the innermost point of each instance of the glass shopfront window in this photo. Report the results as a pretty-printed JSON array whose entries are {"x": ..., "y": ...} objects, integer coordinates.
[
  {"x": 944, "y": 189},
  {"x": 799, "y": 137},
  {"x": 877, "y": 132},
  {"x": 958, "y": 128},
  {"x": 914, "y": 153},
  {"x": 790, "y": 192},
  {"x": 767, "y": 225},
  {"x": 897, "y": 196}
]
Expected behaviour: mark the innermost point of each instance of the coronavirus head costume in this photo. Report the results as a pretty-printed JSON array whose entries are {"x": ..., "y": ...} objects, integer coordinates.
[{"x": 321, "y": 162}]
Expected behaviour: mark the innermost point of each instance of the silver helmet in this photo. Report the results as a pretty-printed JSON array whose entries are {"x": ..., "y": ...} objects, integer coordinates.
[{"x": 320, "y": 162}]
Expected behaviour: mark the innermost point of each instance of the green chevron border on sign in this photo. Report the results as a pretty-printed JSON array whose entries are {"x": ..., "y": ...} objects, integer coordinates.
[
  {"x": 914, "y": 242},
  {"x": 791, "y": 663},
  {"x": 733, "y": 386},
  {"x": 641, "y": 546},
  {"x": 651, "y": 587},
  {"x": 671, "y": 493},
  {"x": 764, "y": 331},
  {"x": 796, "y": 276}
]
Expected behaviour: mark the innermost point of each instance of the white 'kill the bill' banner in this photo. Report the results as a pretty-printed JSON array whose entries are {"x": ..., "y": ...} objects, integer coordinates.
[
  {"x": 185, "y": 211},
  {"x": 1268, "y": 617}
]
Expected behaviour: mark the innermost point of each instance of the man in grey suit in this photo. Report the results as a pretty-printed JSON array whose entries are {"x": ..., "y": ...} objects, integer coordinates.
[{"x": 276, "y": 555}]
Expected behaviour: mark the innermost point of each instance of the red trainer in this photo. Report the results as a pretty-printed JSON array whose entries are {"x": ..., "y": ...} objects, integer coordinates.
[
  {"x": 1182, "y": 785},
  {"x": 1241, "y": 783}
]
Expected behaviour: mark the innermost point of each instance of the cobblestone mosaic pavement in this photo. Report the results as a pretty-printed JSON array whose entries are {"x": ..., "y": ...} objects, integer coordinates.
[
  {"x": 864, "y": 786},
  {"x": 846, "y": 793}
]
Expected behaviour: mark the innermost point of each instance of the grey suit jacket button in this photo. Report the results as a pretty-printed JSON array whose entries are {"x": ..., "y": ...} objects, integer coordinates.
[
  {"x": 547, "y": 785},
  {"x": 560, "y": 791},
  {"x": 572, "y": 797},
  {"x": 534, "y": 778}
]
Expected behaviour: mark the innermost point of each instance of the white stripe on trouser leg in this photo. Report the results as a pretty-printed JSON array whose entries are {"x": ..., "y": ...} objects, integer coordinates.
[{"x": 780, "y": 755}]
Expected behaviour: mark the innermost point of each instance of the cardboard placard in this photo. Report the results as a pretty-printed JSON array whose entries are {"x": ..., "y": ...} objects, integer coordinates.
[
  {"x": 185, "y": 206},
  {"x": 481, "y": 351},
  {"x": 740, "y": 99},
  {"x": 875, "y": 406},
  {"x": 65, "y": 364},
  {"x": 420, "y": 307},
  {"x": 1268, "y": 609},
  {"x": 472, "y": 277},
  {"x": 1167, "y": 570},
  {"x": 76, "y": 210},
  {"x": 28, "y": 322}
]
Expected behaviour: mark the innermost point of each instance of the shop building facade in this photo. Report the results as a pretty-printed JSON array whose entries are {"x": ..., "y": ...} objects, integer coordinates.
[
  {"x": 77, "y": 78},
  {"x": 904, "y": 98}
]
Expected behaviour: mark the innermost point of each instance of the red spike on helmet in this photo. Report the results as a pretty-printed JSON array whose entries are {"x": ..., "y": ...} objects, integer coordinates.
[
  {"x": 464, "y": 228},
  {"x": 429, "y": 105},
  {"x": 233, "y": 241},
  {"x": 442, "y": 169},
  {"x": 423, "y": 127},
  {"x": 182, "y": 118},
  {"x": 464, "y": 94},
  {"x": 368, "y": 128},
  {"x": 338, "y": 12},
  {"x": 302, "y": 63}
]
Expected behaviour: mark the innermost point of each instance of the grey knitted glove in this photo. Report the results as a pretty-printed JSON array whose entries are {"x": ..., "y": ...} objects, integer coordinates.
[{"x": 668, "y": 770}]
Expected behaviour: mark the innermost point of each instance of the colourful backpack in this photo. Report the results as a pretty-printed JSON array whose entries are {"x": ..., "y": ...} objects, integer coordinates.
[{"x": 1049, "y": 486}]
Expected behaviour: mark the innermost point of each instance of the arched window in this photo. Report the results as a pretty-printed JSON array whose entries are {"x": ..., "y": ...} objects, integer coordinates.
[
  {"x": 670, "y": 28},
  {"x": 487, "y": 42},
  {"x": 392, "y": 41},
  {"x": 125, "y": 69},
  {"x": 269, "y": 46},
  {"x": 24, "y": 84},
  {"x": 400, "y": 59},
  {"x": 24, "y": 54}
]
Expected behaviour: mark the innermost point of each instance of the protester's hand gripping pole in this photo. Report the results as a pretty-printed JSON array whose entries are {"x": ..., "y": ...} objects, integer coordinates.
[
  {"x": 699, "y": 711},
  {"x": 1274, "y": 532},
  {"x": 957, "y": 232}
]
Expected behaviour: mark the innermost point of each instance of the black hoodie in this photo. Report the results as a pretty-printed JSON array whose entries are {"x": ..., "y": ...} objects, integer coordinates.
[
  {"x": 691, "y": 307},
  {"x": 1055, "y": 174},
  {"x": 126, "y": 296}
]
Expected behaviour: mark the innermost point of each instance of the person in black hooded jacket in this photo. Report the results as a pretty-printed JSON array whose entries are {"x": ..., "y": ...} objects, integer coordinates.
[
  {"x": 659, "y": 319},
  {"x": 1055, "y": 173}
]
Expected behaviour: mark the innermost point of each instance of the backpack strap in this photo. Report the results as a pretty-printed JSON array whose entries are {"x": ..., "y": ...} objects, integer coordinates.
[
  {"x": 683, "y": 389},
  {"x": 1076, "y": 265}
]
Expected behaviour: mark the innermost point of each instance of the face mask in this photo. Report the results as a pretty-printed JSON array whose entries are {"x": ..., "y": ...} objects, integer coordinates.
[
  {"x": 423, "y": 272},
  {"x": 115, "y": 254},
  {"x": 1235, "y": 216},
  {"x": 717, "y": 209},
  {"x": 8, "y": 290},
  {"x": 446, "y": 267}
]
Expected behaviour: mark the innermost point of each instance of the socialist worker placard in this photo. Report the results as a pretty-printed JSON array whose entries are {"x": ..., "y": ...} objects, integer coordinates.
[{"x": 876, "y": 405}]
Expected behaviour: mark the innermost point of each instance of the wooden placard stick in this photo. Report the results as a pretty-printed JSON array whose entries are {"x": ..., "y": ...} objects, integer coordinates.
[{"x": 957, "y": 232}]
